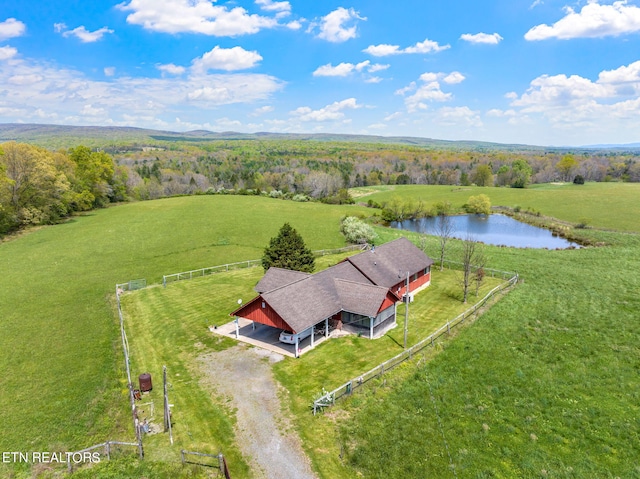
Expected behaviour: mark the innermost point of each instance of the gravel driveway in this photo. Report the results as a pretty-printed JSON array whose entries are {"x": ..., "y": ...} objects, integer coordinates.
[{"x": 265, "y": 436}]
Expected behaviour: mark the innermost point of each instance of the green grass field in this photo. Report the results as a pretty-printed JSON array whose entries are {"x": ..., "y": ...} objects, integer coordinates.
[
  {"x": 606, "y": 205},
  {"x": 60, "y": 354},
  {"x": 544, "y": 385},
  {"x": 169, "y": 326}
]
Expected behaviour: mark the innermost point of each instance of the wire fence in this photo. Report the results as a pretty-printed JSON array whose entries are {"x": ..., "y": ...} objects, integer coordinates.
[
  {"x": 215, "y": 461},
  {"x": 198, "y": 273},
  {"x": 127, "y": 363},
  {"x": 329, "y": 398},
  {"x": 88, "y": 455}
]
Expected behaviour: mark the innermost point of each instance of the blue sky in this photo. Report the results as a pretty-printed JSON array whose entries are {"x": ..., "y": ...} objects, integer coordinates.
[{"x": 542, "y": 72}]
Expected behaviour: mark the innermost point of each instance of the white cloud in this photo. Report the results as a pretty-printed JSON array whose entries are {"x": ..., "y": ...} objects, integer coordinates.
[
  {"x": 427, "y": 46},
  {"x": 535, "y": 4},
  {"x": 454, "y": 78},
  {"x": 271, "y": 6},
  {"x": 82, "y": 34},
  {"x": 25, "y": 80},
  {"x": 7, "y": 53},
  {"x": 331, "y": 112},
  {"x": 262, "y": 110},
  {"x": 593, "y": 21},
  {"x": 171, "y": 69},
  {"x": 345, "y": 69},
  {"x": 609, "y": 103},
  {"x": 228, "y": 59},
  {"x": 294, "y": 25},
  {"x": 373, "y": 79},
  {"x": 194, "y": 16},
  {"x": 109, "y": 71},
  {"x": 377, "y": 67},
  {"x": 393, "y": 116},
  {"x": 328, "y": 70},
  {"x": 339, "y": 25},
  {"x": 497, "y": 113},
  {"x": 492, "y": 39},
  {"x": 32, "y": 89},
  {"x": 11, "y": 28},
  {"x": 429, "y": 90},
  {"x": 461, "y": 115}
]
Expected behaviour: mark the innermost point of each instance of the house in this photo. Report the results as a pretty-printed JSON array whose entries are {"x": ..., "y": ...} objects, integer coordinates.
[{"x": 359, "y": 294}]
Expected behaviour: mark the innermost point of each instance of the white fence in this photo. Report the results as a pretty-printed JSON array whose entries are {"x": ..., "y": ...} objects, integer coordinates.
[
  {"x": 197, "y": 273},
  {"x": 329, "y": 398}
]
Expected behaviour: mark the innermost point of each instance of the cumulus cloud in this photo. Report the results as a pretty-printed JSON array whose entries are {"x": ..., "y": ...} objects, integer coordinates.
[
  {"x": 81, "y": 33},
  {"x": 429, "y": 90},
  {"x": 427, "y": 46},
  {"x": 331, "y": 112},
  {"x": 491, "y": 39},
  {"x": 593, "y": 21},
  {"x": 271, "y": 6},
  {"x": 7, "y": 52},
  {"x": 11, "y": 28},
  {"x": 109, "y": 71},
  {"x": 345, "y": 69},
  {"x": 195, "y": 16},
  {"x": 339, "y": 25},
  {"x": 228, "y": 59},
  {"x": 565, "y": 101},
  {"x": 171, "y": 69}
]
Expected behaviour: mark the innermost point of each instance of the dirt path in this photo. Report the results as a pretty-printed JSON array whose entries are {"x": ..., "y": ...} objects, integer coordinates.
[{"x": 264, "y": 434}]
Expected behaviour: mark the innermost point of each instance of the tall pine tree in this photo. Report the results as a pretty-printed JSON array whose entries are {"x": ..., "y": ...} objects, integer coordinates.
[{"x": 288, "y": 251}]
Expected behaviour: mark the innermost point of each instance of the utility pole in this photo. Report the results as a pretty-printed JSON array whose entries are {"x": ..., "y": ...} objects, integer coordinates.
[{"x": 406, "y": 311}]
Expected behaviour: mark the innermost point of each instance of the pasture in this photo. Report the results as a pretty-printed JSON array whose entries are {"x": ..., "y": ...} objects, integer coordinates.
[
  {"x": 544, "y": 385},
  {"x": 606, "y": 205},
  {"x": 63, "y": 383}
]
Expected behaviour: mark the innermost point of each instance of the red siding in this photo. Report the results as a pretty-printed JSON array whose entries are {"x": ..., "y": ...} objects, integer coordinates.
[
  {"x": 413, "y": 285},
  {"x": 255, "y": 312},
  {"x": 390, "y": 300}
]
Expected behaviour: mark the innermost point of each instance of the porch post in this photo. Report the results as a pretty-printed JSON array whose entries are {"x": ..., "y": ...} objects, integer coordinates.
[
  {"x": 237, "y": 327},
  {"x": 313, "y": 333},
  {"x": 326, "y": 328},
  {"x": 296, "y": 351},
  {"x": 371, "y": 319}
]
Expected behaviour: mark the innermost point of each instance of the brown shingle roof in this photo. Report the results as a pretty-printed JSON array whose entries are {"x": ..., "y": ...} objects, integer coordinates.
[
  {"x": 387, "y": 264},
  {"x": 358, "y": 285},
  {"x": 278, "y": 277}
]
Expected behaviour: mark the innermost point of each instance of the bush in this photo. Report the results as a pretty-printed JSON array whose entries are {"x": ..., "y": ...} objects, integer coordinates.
[
  {"x": 480, "y": 205},
  {"x": 356, "y": 231},
  {"x": 578, "y": 180}
]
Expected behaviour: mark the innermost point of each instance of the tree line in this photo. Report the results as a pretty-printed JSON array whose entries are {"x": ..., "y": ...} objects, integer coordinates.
[{"x": 40, "y": 186}]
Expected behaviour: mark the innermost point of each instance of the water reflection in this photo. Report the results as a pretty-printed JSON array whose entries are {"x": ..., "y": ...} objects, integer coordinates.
[{"x": 492, "y": 229}]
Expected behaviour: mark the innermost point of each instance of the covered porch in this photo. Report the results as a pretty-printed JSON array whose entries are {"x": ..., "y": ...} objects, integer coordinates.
[{"x": 267, "y": 337}]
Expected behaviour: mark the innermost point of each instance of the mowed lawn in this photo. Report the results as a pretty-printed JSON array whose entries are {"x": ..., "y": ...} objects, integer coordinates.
[
  {"x": 169, "y": 326},
  {"x": 605, "y": 205},
  {"x": 62, "y": 385}
]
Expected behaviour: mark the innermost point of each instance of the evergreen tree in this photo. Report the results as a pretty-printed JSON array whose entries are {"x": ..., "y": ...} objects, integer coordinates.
[{"x": 288, "y": 251}]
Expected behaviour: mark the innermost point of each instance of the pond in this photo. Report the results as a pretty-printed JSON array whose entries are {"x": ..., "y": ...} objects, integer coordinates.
[{"x": 492, "y": 229}]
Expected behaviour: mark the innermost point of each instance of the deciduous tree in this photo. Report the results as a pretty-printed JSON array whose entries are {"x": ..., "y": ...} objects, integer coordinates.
[{"x": 444, "y": 231}]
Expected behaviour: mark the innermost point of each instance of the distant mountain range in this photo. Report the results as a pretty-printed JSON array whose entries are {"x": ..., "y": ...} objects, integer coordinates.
[{"x": 65, "y": 136}]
